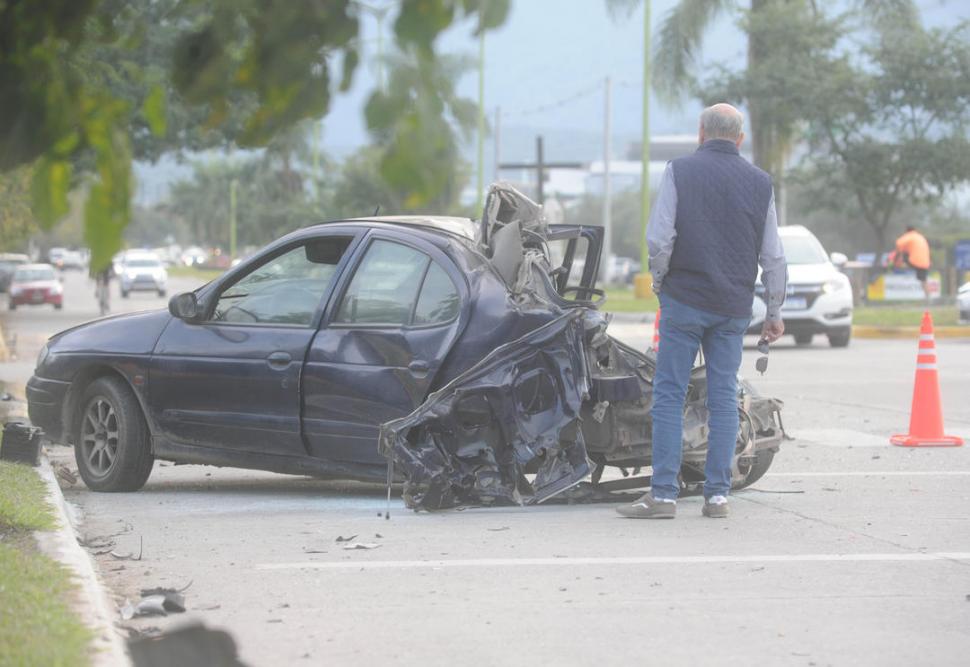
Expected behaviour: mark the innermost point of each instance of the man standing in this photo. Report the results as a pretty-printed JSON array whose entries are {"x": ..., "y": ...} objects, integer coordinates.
[
  {"x": 713, "y": 222},
  {"x": 913, "y": 250}
]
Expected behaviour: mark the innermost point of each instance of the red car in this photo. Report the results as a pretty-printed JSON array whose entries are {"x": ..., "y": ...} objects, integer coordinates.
[{"x": 35, "y": 285}]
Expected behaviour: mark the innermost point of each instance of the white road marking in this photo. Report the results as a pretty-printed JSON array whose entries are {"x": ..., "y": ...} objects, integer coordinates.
[
  {"x": 617, "y": 560},
  {"x": 874, "y": 473}
]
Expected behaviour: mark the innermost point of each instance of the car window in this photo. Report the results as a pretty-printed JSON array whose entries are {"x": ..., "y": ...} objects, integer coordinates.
[
  {"x": 385, "y": 286},
  {"x": 30, "y": 275},
  {"x": 286, "y": 289},
  {"x": 438, "y": 302},
  {"x": 803, "y": 250},
  {"x": 143, "y": 263}
]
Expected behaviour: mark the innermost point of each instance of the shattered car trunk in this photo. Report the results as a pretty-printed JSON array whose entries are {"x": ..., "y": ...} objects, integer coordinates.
[{"x": 541, "y": 413}]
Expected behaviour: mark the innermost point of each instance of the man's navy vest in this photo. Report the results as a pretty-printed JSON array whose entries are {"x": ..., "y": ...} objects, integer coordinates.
[{"x": 722, "y": 203}]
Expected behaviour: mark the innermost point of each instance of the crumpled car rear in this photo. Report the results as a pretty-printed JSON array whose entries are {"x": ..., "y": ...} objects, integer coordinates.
[{"x": 541, "y": 413}]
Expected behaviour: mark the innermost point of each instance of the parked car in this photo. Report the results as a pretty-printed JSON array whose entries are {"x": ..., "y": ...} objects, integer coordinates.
[
  {"x": 447, "y": 346},
  {"x": 819, "y": 299},
  {"x": 963, "y": 303},
  {"x": 9, "y": 262},
  {"x": 35, "y": 285},
  {"x": 142, "y": 272},
  {"x": 65, "y": 259}
]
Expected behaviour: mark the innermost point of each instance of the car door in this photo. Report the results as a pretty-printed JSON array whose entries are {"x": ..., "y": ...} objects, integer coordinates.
[
  {"x": 232, "y": 381},
  {"x": 381, "y": 344}
]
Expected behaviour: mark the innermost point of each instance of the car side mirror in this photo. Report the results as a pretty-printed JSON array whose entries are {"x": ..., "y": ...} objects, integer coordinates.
[
  {"x": 185, "y": 306},
  {"x": 838, "y": 258}
]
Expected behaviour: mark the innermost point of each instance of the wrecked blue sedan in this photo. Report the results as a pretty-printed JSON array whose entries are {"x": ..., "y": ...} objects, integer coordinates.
[{"x": 468, "y": 359}]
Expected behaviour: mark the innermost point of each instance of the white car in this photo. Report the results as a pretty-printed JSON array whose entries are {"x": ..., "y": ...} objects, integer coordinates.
[
  {"x": 819, "y": 299},
  {"x": 963, "y": 303},
  {"x": 142, "y": 272}
]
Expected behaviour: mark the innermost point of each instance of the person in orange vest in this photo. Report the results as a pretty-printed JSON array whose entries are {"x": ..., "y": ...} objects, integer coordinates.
[{"x": 913, "y": 250}]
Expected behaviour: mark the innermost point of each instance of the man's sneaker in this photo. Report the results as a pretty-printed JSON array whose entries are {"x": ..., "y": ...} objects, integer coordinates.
[
  {"x": 715, "y": 507},
  {"x": 648, "y": 507}
]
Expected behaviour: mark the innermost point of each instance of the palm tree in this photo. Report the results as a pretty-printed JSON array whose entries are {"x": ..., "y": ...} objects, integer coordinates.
[{"x": 680, "y": 37}]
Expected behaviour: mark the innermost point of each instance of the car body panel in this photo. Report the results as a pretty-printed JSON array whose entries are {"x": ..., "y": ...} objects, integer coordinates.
[{"x": 357, "y": 377}]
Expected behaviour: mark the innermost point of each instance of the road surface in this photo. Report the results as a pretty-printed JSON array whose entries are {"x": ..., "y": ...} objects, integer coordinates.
[{"x": 850, "y": 552}]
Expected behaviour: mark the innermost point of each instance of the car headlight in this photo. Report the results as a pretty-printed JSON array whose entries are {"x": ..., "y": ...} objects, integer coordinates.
[{"x": 834, "y": 286}]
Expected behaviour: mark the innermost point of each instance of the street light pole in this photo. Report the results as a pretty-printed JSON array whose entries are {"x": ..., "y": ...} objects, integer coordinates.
[
  {"x": 233, "y": 186},
  {"x": 379, "y": 13},
  {"x": 480, "y": 181},
  {"x": 605, "y": 268},
  {"x": 642, "y": 282}
]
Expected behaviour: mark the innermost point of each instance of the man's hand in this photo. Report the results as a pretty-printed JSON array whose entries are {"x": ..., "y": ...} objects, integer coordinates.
[{"x": 772, "y": 330}]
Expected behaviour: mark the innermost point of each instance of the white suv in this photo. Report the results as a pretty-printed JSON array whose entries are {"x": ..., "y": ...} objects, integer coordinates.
[
  {"x": 819, "y": 299},
  {"x": 142, "y": 271}
]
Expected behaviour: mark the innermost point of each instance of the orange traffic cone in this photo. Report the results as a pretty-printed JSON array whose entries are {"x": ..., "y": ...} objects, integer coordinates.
[
  {"x": 656, "y": 332},
  {"x": 926, "y": 418}
]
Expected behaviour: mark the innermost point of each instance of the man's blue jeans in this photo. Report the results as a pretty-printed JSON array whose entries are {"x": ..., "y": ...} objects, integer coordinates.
[{"x": 682, "y": 330}]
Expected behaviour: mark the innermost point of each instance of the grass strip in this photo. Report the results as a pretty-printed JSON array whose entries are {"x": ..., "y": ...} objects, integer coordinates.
[{"x": 37, "y": 625}]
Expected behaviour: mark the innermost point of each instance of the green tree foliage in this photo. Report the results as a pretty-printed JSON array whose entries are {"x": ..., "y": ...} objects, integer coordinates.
[
  {"x": 16, "y": 219},
  {"x": 888, "y": 124},
  {"x": 85, "y": 84},
  {"x": 769, "y": 26}
]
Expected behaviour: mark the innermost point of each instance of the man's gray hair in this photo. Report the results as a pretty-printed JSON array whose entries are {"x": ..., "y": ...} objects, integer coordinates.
[{"x": 722, "y": 121}]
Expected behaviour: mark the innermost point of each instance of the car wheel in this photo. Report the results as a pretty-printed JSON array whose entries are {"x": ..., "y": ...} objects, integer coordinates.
[
  {"x": 111, "y": 443},
  {"x": 756, "y": 469},
  {"x": 840, "y": 339},
  {"x": 803, "y": 339},
  {"x": 124, "y": 294},
  {"x": 161, "y": 293},
  {"x": 13, "y": 306},
  {"x": 58, "y": 306}
]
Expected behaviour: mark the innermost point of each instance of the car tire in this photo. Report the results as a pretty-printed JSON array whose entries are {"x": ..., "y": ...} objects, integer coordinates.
[
  {"x": 757, "y": 469},
  {"x": 109, "y": 419},
  {"x": 58, "y": 306},
  {"x": 840, "y": 339},
  {"x": 803, "y": 339},
  {"x": 124, "y": 294},
  {"x": 13, "y": 306},
  {"x": 161, "y": 293}
]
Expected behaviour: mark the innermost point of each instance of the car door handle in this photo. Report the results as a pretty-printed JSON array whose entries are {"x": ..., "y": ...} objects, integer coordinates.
[
  {"x": 419, "y": 368},
  {"x": 279, "y": 360}
]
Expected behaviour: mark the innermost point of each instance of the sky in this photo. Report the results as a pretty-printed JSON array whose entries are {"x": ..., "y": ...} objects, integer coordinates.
[{"x": 545, "y": 69}]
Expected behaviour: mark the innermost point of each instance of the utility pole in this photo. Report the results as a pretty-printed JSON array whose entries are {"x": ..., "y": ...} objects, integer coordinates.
[
  {"x": 540, "y": 166},
  {"x": 605, "y": 273},
  {"x": 479, "y": 190},
  {"x": 497, "y": 137},
  {"x": 233, "y": 186},
  {"x": 642, "y": 283}
]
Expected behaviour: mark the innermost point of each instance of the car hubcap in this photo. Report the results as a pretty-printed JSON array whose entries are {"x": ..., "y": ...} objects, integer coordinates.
[{"x": 99, "y": 436}]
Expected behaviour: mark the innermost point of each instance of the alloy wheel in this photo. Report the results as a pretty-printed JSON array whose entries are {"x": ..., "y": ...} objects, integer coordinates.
[{"x": 99, "y": 436}]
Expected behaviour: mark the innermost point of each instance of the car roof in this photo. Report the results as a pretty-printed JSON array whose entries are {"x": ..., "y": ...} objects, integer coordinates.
[
  {"x": 464, "y": 227},
  {"x": 794, "y": 230}
]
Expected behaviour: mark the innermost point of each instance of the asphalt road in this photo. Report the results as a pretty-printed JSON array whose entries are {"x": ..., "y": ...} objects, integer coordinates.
[{"x": 850, "y": 552}]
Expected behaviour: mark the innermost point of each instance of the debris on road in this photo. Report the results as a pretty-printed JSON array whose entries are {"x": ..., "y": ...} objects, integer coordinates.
[
  {"x": 361, "y": 545},
  {"x": 341, "y": 538},
  {"x": 130, "y": 555},
  {"x": 160, "y": 604},
  {"x": 191, "y": 646}
]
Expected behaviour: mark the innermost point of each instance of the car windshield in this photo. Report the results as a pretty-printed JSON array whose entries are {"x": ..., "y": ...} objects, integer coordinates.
[
  {"x": 142, "y": 263},
  {"x": 803, "y": 250},
  {"x": 28, "y": 275}
]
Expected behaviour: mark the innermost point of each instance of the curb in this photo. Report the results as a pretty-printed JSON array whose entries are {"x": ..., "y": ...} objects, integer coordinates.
[
  {"x": 108, "y": 647},
  {"x": 868, "y": 331}
]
